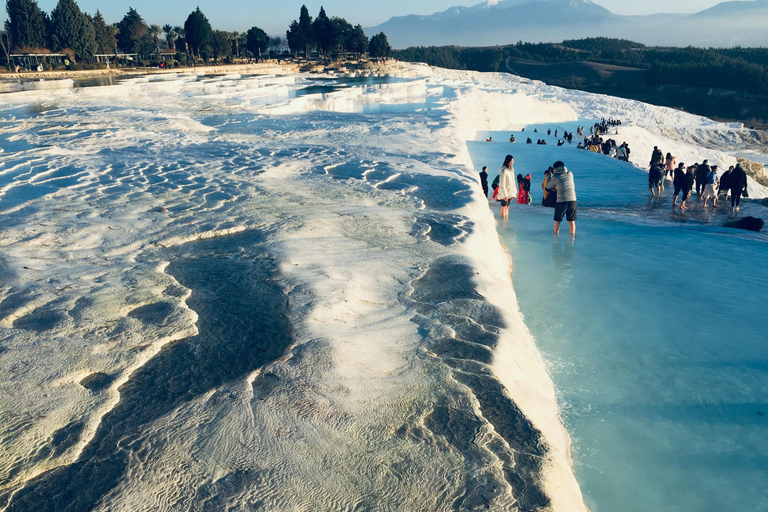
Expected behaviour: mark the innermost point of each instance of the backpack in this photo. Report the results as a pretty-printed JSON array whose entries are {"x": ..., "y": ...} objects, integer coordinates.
[{"x": 711, "y": 178}]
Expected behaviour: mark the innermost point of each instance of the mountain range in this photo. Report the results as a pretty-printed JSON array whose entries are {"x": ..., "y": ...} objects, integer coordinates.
[{"x": 502, "y": 22}]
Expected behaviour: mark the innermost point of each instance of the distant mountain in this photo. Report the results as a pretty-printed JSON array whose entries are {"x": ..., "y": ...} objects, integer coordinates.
[{"x": 501, "y": 22}]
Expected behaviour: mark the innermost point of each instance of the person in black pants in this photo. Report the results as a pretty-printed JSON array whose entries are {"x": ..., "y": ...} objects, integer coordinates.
[
  {"x": 701, "y": 177},
  {"x": 738, "y": 186},
  {"x": 687, "y": 187},
  {"x": 484, "y": 181},
  {"x": 680, "y": 181}
]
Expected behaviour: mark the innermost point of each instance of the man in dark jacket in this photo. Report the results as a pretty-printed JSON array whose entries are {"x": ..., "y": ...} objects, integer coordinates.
[
  {"x": 738, "y": 186},
  {"x": 654, "y": 180},
  {"x": 657, "y": 157},
  {"x": 702, "y": 172},
  {"x": 680, "y": 182},
  {"x": 725, "y": 184},
  {"x": 484, "y": 181}
]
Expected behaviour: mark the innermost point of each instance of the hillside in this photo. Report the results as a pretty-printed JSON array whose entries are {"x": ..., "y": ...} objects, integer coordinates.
[{"x": 729, "y": 85}]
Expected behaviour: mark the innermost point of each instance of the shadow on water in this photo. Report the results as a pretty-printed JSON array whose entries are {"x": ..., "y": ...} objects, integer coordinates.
[{"x": 242, "y": 326}]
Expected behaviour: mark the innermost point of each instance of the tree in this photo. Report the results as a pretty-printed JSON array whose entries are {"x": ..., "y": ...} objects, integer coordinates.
[
  {"x": 198, "y": 31},
  {"x": 235, "y": 40},
  {"x": 170, "y": 35},
  {"x": 133, "y": 33},
  {"x": 343, "y": 34},
  {"x": 358, "y": 42},
  {"x": 257, "y": 41},
  {"x": 299, "y": 33},
  {"x": 27, "y": 25},
  {"x": 322, "y": 31},
  {"x": 155, "y": 30},
  {"x": 70, "y": 28},
  {"x": 275, "y": 42},
  {"x": 221, "y": 47},
  {"x": 379, "y": 46},
  {"x": 104, "y": 34}
]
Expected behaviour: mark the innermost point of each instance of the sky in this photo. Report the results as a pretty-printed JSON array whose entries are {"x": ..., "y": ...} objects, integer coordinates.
[{"x": 274, "y": 18}]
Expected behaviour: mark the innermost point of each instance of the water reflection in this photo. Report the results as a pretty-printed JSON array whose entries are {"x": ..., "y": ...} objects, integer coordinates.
[{"x": 562, "y": 257}]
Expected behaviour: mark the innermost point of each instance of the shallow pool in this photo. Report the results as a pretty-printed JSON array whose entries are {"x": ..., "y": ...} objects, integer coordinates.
[{"x": 654, "y": 327}]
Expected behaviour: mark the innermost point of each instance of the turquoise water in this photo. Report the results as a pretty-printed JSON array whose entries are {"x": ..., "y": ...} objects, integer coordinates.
[{"x": 654, "y": 328}]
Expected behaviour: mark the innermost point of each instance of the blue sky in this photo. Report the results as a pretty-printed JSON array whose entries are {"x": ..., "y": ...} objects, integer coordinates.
[{"x": 274, "y": 18}]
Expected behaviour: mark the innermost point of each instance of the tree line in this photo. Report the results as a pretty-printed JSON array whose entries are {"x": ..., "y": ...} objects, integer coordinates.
[
  {"x": 326, "y": 35},
  {"x": 81, "y": 36},
  {"x": 736, "y": 69}
]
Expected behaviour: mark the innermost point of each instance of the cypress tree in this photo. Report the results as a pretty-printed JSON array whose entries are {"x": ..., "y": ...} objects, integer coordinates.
[
  {"x": 322, "y": 31},
  {"x": 198, "y": 31},
  {"x": 132, "y": 33},
  {"x": 358, "y": 42},
  {"x": 27, "y": 25},
  {"x": 72, "y": 29},
  {"x": 299, "y": 34},
  {"x": 105, "y": 35}
]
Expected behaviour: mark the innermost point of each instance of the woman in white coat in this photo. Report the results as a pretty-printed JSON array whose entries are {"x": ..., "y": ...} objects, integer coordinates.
[{"x": 506, "y": 189}]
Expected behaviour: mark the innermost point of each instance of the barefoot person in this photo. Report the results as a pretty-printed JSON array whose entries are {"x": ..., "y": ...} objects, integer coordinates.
[
  {"x": 506, "y": 190},
  {"x": 562, "y": 182},
  {"x": 680, "y": 182},
  {"x": 655, "y": 179},
  {"x": 738, "y": 186},
  {"x": 688, "y": 186},
  {"x": 710, "y": 187}
]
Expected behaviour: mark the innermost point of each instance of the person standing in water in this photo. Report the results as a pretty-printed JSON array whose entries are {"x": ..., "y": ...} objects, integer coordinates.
[
  {"x": 484, "y": 181},
  {"x": 527, "y": 188},
  {"x": 562, "y": 183},
  {"x": 506, "y": 190},
  {"x": 689, "y": 179},
  {"x": 680, "y": 181},
  {"x": 710, "y": 187},
  {"x": 738, "y": 186},
  {"x": 725, "y": 184},
  {"x": 655, "y": 179}
]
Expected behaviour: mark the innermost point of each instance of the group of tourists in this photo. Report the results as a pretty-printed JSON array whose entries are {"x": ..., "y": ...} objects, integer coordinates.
[
  {"x": 606, "y": 147},
  {"x": 708, "y": 182},
  {"x": 558, "y": 189},
  {"x": 602, "y": 127}
]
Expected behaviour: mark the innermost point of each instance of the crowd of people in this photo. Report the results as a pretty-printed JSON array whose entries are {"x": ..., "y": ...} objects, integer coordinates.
[
  {"x": 558, "y": 189},
  {"x": 704, "y": 178}
]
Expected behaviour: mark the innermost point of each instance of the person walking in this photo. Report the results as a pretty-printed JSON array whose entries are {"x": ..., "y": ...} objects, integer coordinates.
[
  {"x": 562, "y": 183},
  {"x": 655, "y": 179},
  {"x": 725, "y": 184},
  {"x": 710, "y": 189},
  {"x": 702, "y": 172},
  {"x": 506, "y": 190},
  {"x": 689, "y": 179},
  {"x": 680, "y": 182},
  {"x": 657, "y": 157},
  {"x": 738, "y": 186},
  {"x": 669, "y": 166},
  {"x": 484, "y": 181}
]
